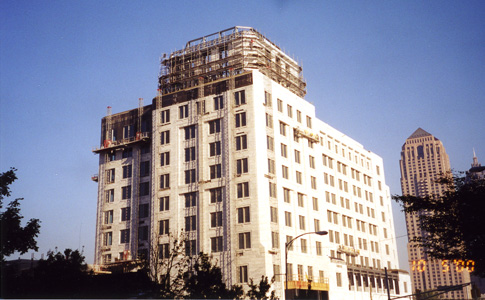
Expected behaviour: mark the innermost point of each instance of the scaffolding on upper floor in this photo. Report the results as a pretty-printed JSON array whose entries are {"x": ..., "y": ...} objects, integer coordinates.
[{"x": 225, "y": 53}]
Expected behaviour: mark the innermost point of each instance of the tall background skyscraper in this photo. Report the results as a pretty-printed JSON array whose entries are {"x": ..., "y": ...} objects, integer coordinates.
[{"x": 423, "y": 161}]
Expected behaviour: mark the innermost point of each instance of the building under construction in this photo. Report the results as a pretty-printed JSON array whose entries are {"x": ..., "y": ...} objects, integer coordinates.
[{"x": 230, "y": 154}]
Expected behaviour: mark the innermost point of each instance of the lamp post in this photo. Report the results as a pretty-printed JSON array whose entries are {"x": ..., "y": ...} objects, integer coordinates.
[{"x": 287, "y": 246}]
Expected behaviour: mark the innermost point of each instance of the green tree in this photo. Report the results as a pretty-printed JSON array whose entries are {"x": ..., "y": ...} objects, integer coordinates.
[
  {"x": 453, "y": 222},
  {"x": 260, "y": 291},
  {"x": 204, "y": 281},
  {"x": 14, "y": 237}
]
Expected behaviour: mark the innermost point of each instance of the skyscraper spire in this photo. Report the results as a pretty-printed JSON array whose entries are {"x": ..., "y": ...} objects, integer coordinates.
[{"x": 475, "y": 160}]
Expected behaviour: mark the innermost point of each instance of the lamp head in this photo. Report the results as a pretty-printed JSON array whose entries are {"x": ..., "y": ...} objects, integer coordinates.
[{"x": 322, "y": 232}]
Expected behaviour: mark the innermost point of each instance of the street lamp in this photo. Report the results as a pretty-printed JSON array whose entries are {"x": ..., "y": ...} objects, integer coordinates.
[{"x": 287, "y": 246}]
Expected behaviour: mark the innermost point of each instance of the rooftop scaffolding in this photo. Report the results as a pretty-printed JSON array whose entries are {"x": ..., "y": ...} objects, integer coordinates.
[{"x": 226, "y": 53}]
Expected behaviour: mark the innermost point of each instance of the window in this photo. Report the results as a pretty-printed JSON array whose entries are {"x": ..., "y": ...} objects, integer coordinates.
[
  {"x": 301, "y": 200},
  {"x": 290, "y": 248},
  {"x": 318, "y": 246},
  {"x": 267, "y": 99},
  {"x": 145, "y": 149},
  {"x": 190, "y": 199},
  {"x": 274, "y": 214},
  {"x": 110, "y": 195},
  {"x": 312, "y": 161},
  {"x": 128, "y": 152},
  {"x": 165, "y": 137},
  {"x": 339, "y": 279},
  {"x": 271, "y": 166},
  {"x": 215, "y": 148},
  {"x": 241, "y": 142},
  {"x": 190, "y": 223},
  {"x": 288, "y": 218},
  {"x": 163, "y": 251},
  {"x": 216, "y": 244},
  {"x": 143, "y": 211},
  {"x": 128, "y": 131},
  {"x": 144, "y": 189},
  {"x": 298, "y": 116},
  {"x": 304, "y": 248},
  {"x": 165, "y": 159},
  {"x": 164, "y": 203},
  {"x": 284, "y": 151},
  {"x": 214, "y": 126},
  {"x": 241, "y": 119},
  {"x": 276, "y": 273},
  {"x": 110, "y": 175},
  {"x": 124, "y": 236},
  {"x": 163, "y": 227},
  {"x": 275, "y": 240},
  {"x": 243, "y": 274},
  {"x": 283, "y": 128},
  {"x": 313, "y": 182},
  {"x": 284, "y": 172},
  {"x": 286, "y": 195},
  {"x": 164, "y": 181},
  {"x": 243, "y": 215},
  {"x": 315, "y": 203},
  {"x": 280, "y": 105},
  {"x": 298, "y": 177},
  {"x": 216, "y": 195},
  {"x": 108, "y": 217},
  {"x": 241, "y": 166},
  {"x": 143, "y": 233},
  {"x": 190, "y": 247},
  {"x": 165, "y": 116},
  {"x": 189, "y": 132},
  {"x": 144, "y": 168},
  {"x": 243, "y": 190},
  {"x": 107, "y": 258},
  {"x": 245, "y": 240},
  {"x": 297, "y": 156},
  {"x": 269, "y": 120},
  {"x": 218, "y": 103},
  {"x": 108, "y": 239},
  {"x": 190, "y": 154},
  {"x": 126, "y": 192},
  {"x": 272, "y": 189},
  {"x": 184, "y": 111},
  {"x": 240, "y": 98},
  {"x": 316, "y": 222},
  {"x": 270, "y": 143},
  {"x": 290, "y": 111},
  {"x": 215, "y": 171},
  {"x": 127, "y": 171},
  {"x": 216, "y": 219},
  {"x": 301, "y": 220},
  {"x": 309, "y": 122},
  {"x": 190, "y": 176}
]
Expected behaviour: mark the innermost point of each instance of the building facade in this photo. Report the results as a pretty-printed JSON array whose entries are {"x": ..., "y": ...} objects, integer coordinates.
[
  {"x": 231, "y": 154},
  {"x": 423, "y": 161}
]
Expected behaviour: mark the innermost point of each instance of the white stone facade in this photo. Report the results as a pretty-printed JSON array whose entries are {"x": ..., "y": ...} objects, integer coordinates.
[{"x": 246, "y": 169}]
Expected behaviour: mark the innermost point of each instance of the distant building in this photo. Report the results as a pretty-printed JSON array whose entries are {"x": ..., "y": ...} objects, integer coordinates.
[
  {"x": 231, "y": 154},
  {"x": 476, "y": 171},
  {"x": 423, "y": 161}
]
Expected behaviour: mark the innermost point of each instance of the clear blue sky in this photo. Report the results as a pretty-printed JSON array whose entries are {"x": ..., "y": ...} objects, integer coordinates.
[{"x": 376, "y": 70}]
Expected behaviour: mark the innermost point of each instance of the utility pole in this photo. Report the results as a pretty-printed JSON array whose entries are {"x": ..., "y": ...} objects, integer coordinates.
[{"x": 387, "y": 285}]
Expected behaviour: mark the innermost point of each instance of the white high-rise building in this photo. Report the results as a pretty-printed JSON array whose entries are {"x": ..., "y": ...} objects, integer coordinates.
[{"x": 231, "y": 154}]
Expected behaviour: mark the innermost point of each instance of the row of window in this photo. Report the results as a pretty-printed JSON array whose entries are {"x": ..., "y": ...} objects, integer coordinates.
[
  {"x": 144, "y": 190},
  {"x": 126, "y": 153},
  {"x": 125, "y": 213},
  {"x": 218, "y": 104}
]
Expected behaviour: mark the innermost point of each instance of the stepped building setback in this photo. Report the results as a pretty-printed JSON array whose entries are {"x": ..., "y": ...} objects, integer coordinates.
[
  {"x": 423, "y": 161},
  {"x": 232, "y": 155}
]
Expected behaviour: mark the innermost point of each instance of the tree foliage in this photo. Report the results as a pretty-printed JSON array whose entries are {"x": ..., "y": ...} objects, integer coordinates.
[
  {"x": 204, "y": 281},
  {"x": 454, "y": 222},
  {"x": 260, "y": 291},
  {"x": 14, "y": 236}
]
